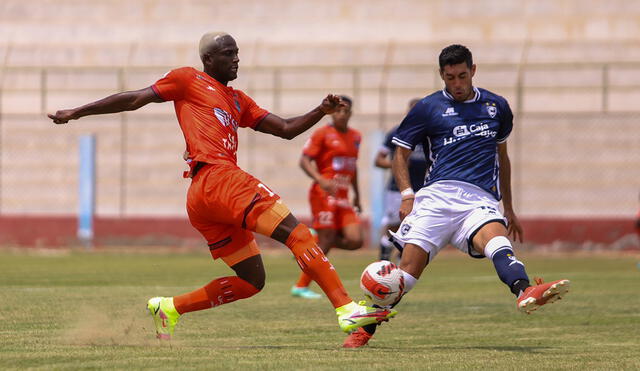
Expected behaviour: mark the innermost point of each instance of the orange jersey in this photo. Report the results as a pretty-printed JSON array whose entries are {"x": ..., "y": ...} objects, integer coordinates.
[
  {"x": 335, "y": 154},
  {"x": 209, "y": 113}
]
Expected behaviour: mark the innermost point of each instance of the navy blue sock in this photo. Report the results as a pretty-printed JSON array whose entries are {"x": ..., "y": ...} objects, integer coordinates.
[{"x": 509, "y": 268}]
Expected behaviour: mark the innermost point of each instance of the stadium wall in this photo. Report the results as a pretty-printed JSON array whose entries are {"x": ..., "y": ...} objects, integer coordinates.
[{"x": 47, "y": 231}]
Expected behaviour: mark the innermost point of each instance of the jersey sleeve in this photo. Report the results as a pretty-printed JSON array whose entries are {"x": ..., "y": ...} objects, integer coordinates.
[
  {"x": 313, "y": 145},
  {"x": 413, "y": 128},
  {"x": 387, "y": 146},
  {"x": 357, "y": 141},
  {"x": 172, "y": 85},
  {"x": 506, "y": 122},
  {"x": 251, "y": 114}
]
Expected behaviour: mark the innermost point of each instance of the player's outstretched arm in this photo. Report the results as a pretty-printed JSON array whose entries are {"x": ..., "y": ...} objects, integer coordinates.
[
  {"x": 400, "y": 170},
  {"x": 120, "y": 102},
  {"x": 514, "y": 226},
  {"x": 291, "y": 128}
]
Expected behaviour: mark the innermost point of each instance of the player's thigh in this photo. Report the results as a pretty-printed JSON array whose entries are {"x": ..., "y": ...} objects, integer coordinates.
[
  {"x": 428, "y": 225},
  {"x": 228, "y": 195},
  {"x": 480, "y": 224}
]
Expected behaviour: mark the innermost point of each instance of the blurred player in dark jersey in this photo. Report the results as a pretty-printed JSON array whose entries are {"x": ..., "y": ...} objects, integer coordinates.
[
  {"x": 329, "y": 158},
  {"x": 417, "y": 171},
  {"x": 224, "y": 203}
]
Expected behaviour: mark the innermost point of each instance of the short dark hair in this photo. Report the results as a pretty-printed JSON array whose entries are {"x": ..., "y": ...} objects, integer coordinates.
[
  {"x": 347, "y": 99},
  {"x": 455, "y": 54}
]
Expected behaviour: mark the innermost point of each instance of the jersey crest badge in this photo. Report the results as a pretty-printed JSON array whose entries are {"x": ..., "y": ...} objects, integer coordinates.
[{"x": 492, "y": 110}]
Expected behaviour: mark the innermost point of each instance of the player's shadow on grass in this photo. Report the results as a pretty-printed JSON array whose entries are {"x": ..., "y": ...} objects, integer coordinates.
[
  {"x": 500, "y": 348},
  {"x": 503, "y": 348}
]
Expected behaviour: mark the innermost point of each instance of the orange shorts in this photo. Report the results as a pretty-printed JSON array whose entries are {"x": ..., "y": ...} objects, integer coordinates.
[
  {"x": 224, "y": 204},
  {"x": 329, "y": 212}
]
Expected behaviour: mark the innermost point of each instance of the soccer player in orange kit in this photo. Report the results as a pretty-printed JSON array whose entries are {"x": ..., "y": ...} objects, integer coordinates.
[
  {"x": 334, "y": 149},
  {"x": 225, "y": 203}
]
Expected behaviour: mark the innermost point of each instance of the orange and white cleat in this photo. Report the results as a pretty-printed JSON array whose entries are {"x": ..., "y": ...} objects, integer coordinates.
[
  {"x": 542, "y": 293},
  {"x": 357, "y": 339}
]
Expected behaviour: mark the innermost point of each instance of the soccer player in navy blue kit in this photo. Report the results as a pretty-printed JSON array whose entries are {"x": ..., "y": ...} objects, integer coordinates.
[{"x": 463, "y": 130}]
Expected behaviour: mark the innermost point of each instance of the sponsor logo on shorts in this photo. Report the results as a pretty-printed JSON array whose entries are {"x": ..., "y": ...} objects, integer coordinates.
[{"x": 404, "y": 229}]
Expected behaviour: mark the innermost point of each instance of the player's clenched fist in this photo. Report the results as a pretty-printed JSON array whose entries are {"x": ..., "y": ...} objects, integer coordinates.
[
  {"x": 331, "y": 103},
  {"x": 63, "y": 116}
]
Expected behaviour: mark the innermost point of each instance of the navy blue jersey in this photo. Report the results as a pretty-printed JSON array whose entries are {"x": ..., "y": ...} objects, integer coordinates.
[
  {"x": 460, "y": 138},
  {"x": 418, "y": 163}
]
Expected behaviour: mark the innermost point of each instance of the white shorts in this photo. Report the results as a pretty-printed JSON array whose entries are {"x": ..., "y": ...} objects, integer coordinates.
[
  {"x": 448, "y": 212},
  {"x": 392, "y": 200}
]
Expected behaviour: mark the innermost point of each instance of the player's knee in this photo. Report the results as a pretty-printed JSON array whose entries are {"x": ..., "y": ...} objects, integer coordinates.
[
  {"x": 353, "y": 243},
  {"x": 256, "y": 280},
  {"x": 300, "y": 233},
  {"x": 258, "y": 284}
]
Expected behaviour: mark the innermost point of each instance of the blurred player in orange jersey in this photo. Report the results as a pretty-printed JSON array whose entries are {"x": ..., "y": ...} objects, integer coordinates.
[
  {"x": 225, "y": 203},
  {"x": 334, "y": 150}
]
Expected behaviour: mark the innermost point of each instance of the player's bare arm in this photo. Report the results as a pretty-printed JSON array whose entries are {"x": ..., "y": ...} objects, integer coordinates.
[
  {"x": 120, "y": 102},
  {"x": 382, "y": 160},
  {"x": 400, "y": 170},
  {"x": 307, "y": 165},
  {"x": 514, "y": 226},
  {"x": 292, "y": 127}
]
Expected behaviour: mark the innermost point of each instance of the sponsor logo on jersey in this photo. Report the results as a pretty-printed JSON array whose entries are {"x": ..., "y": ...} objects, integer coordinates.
[
  {"x": 225, "y": 118},
  {"x": 343, "y": 163},
  {"x": 492, "y": 110},
  {"x": 450, "y": 111},
  {"x": 463, "y": 131}
]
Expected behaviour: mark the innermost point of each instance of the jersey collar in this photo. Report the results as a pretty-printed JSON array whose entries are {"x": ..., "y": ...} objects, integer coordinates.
[{"x": 475, "y": 98}]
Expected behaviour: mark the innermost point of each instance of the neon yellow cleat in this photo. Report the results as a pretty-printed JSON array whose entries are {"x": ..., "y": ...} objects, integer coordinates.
[
  {"x": 352, "y": 316},
  {"x": 165, "y": 316}
]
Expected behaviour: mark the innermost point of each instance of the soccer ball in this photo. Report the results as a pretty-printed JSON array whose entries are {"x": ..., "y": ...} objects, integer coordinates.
[{"x": 382, "y": 283}]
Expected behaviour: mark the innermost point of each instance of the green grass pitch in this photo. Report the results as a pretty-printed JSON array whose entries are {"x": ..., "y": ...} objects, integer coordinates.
[{"x": 73, "y": 310}]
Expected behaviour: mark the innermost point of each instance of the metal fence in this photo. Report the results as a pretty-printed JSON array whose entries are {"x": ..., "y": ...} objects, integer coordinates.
[{"x": 575, "y": 147}]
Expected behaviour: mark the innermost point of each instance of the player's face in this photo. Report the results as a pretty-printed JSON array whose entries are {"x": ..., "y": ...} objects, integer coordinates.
[
  {"x": 458, "y": 80},
  {"x": 341, "y": 116},
  {"x": 222, "y": 60}
]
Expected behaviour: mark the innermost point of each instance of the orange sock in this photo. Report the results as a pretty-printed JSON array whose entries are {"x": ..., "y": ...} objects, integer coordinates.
[
  {"x": 304, "y": 280},
  {"x": 313, "y": 262},
  {"x": 217, "y": 292}
]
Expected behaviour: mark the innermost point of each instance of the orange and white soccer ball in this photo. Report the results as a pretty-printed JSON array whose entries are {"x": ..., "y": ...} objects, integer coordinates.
[{"x": 382, "y": 282}]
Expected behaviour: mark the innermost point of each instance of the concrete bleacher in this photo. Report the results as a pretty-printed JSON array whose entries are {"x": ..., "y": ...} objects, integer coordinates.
[{"x": 573, "y": 90}]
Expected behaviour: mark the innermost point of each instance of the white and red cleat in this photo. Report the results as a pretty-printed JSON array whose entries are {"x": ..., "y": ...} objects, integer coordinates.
[{"x": 542, "y": 293}]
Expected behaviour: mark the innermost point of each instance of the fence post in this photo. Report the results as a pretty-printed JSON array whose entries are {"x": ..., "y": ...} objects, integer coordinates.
[{"x": 86, "y": 189}]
